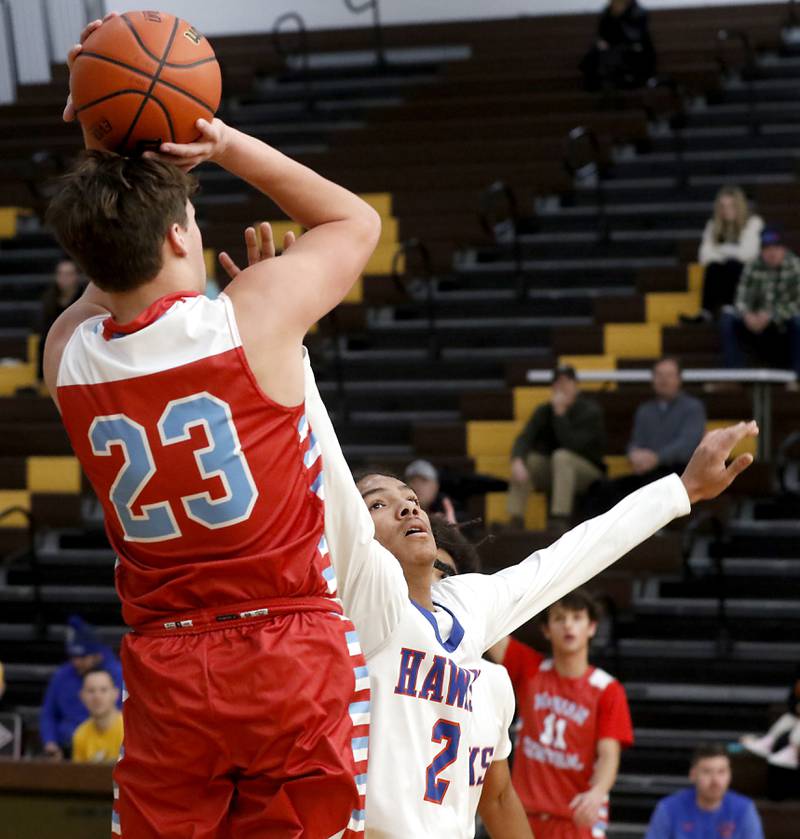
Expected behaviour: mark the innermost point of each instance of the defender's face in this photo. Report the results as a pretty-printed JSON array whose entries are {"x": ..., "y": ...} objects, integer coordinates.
[{"x": 401, "y": 525}]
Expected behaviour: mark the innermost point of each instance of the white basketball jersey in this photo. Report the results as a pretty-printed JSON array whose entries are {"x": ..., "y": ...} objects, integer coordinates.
[
  {"x": 490, "y": 740},
  {"x": 424, "y": 666}
]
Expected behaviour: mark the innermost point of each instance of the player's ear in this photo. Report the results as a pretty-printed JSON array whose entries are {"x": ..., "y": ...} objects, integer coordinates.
[
  {"x": 176, "y": 240},
  {"x": 592, "y": 629}
]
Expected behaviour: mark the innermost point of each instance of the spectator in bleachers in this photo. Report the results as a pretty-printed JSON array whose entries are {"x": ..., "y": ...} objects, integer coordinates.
[
  {"x": 666, "y": 430},
  {"x": 99, "y": 738},
  {"x": 730, "y": 241},
  {"x": 560, "y": 451},
  {"x": 622, "y": 56},
  {"x": 67, "y": 287},
  {"x": 62, "y": 709},
  {"x": 780, "y": 746},
  {"x": 708, "y": 809},
  {"x": 423, "y": 477},
  {"x": 765, "y": 320}
]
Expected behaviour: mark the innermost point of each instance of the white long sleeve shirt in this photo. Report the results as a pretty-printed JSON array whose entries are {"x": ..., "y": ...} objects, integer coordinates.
[
  {"x": 744, "y": 251},
  {"x": 423, "y": 664}
]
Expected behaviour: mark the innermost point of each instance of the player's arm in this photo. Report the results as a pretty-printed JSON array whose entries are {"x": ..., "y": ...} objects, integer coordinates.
[
  {"x": 91, "y": 303},
  {"x": 342, "y": 230},
  {"x": 510, "y": 597},
  {"x": 369, "y": 579},
  {"x": 586, "y": 806},
  {"x": 499, "y": 806}
]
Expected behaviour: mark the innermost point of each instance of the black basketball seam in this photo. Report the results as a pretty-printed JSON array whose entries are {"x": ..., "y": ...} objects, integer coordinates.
[
  {"x": 171, "y": 64},
  {"x": 133, "y": 69},
  {"x": 166, "y": 114},
  {"x": 152, "y": 85},
  {"x": 107, "y": 96}
]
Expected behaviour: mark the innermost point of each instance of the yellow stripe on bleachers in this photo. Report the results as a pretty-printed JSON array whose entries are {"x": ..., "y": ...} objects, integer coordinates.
[
  {"x": 53, "y": 474},
  {"x": 592, "y": 362},
  {"x": 632, "y": 340},
  {"x": 695, "y": 274},
  {"x": 8, "y": 222},
  {"x": 14, "y": 376},
  {"x": 664, "y": 308},
  {"x": 14, "y": 498},
  {"x": 33, "y": 347},
  {"x": 528, "y": 399},
  {"x": 491, "y": 437},
  {"x": 381, "y": 202},
  {"x": 617, "y": 465},
  {"x": 496, "y": 510}
]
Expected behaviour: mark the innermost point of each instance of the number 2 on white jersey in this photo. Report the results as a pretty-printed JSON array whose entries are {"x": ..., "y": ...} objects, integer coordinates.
[
  {"x": 553, "y": 734},
  {"x": 449, "y": 733},
  {"x": 222, "y": 457}
]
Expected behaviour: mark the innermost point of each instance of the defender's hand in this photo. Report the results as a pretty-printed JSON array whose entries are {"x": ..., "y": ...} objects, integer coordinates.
[
  {"x": 706, "y": 474},
  {"x": 254, "y": 253}
]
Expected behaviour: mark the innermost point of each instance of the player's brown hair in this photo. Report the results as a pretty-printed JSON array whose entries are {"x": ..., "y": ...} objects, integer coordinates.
[
  {"x": 112, "y": 213},
  {"x": 576, "y": 601}
]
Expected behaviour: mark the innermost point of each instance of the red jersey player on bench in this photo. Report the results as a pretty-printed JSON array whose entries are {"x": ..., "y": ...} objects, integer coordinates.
[{"x": 247, "y": 703}]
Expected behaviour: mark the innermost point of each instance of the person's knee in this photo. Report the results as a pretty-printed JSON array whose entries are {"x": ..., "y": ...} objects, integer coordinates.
[{"x": 563, "y": 459}]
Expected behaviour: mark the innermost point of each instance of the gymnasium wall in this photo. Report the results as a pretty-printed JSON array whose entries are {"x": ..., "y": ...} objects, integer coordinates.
[{"x": 243, "y": 16}]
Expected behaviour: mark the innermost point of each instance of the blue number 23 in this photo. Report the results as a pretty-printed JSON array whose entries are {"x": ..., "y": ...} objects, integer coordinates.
[{"x": 222, "y": 457}]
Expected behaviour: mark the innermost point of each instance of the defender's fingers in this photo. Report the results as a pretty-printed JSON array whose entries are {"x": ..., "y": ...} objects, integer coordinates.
[
  {"x": 267, "y": 240},
  {"x": 185, "y": 150},
  {"x": 738, "y": 466},
  {"x": 728, "y": 437},
  {"x": 251, "y": 243},
  {"x": 288, "y": 239},
  {"x": 228, "y": 265}
]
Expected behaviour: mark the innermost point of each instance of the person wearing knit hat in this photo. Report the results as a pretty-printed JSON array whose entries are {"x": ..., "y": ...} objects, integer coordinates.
[{"x": 62, "y": 709}]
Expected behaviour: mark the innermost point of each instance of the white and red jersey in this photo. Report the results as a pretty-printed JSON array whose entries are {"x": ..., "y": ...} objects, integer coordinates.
[
  {"x": 490, "y": 740},
  {"x": 425, "y": 667},
  {"x": 212, "y": 492},
  {"x": 561, "y": 721}
]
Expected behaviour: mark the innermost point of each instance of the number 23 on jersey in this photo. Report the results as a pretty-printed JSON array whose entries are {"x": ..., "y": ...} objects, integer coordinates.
[{"x": 222, "y": 458}]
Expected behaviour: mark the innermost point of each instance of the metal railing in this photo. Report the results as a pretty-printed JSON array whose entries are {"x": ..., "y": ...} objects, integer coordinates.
[
  {"x": 674, "y": 113},
  {"x": 579, "y": 164},
  {"x": 292, "y": 43},
  {"x": 30, "y": 554},
  {"x": 374, "y": 6},
  {"x": 499, "y": 217},
  {"x": 403, "y": 252},
  {"x": 745, "y": 68}
]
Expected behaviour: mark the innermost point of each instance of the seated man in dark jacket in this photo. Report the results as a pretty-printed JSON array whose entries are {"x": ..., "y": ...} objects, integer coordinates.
[{"x": 560, "y": 451}]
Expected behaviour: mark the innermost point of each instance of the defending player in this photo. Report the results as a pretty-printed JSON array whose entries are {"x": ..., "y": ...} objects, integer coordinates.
[
  {"x": 424, "y": 643},
  {"x": 244, "y": 716},
  {"x": 574, "y": 723},
  {"x": 491, "y": 792}
]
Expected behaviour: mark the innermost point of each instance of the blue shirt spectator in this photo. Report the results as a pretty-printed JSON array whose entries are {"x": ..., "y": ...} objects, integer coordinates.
[
  {"x": 62, "y": 709},
  {"x": 708, "y": 810}
]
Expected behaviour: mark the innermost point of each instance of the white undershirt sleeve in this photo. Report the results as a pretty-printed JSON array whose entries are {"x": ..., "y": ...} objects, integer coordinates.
[
  {"x": 511, "y": 597},
  {"x": 369, "y": 579}
]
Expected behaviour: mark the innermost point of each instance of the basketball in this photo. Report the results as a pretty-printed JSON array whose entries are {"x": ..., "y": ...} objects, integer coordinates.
[{"x": 142, "y": 79}]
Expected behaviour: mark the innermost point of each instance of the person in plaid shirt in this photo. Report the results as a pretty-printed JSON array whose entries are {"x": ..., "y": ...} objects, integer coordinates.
[{"x": 765, "y": 318}]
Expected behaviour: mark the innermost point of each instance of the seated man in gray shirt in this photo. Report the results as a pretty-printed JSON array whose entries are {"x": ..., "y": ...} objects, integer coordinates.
[{"x": 666, "y": 430}]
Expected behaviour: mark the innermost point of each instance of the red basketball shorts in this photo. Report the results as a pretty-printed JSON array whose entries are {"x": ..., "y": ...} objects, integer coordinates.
[
  {"x": 546, "y": 827},
  {"x": 245, "y": 729}
]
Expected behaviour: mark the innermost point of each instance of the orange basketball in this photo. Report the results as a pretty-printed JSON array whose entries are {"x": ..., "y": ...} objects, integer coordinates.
[{"x": 142, "y": 79}]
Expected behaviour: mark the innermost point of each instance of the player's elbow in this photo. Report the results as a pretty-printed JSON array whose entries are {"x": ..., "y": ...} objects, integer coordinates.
[{"x": 366, "y": 226}]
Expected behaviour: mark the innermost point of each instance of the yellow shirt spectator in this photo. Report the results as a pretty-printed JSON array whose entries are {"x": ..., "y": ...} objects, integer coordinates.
[{"x": 91, "y": 745}]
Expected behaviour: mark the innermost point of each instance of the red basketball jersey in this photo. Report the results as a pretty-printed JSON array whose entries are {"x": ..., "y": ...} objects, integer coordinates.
[
  {"x": 212, "y": 492},
  {"x": 561, "y": 721}
]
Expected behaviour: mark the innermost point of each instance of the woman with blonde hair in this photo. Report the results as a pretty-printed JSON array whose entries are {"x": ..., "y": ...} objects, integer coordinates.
[{"x": 730, "y": 239}]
